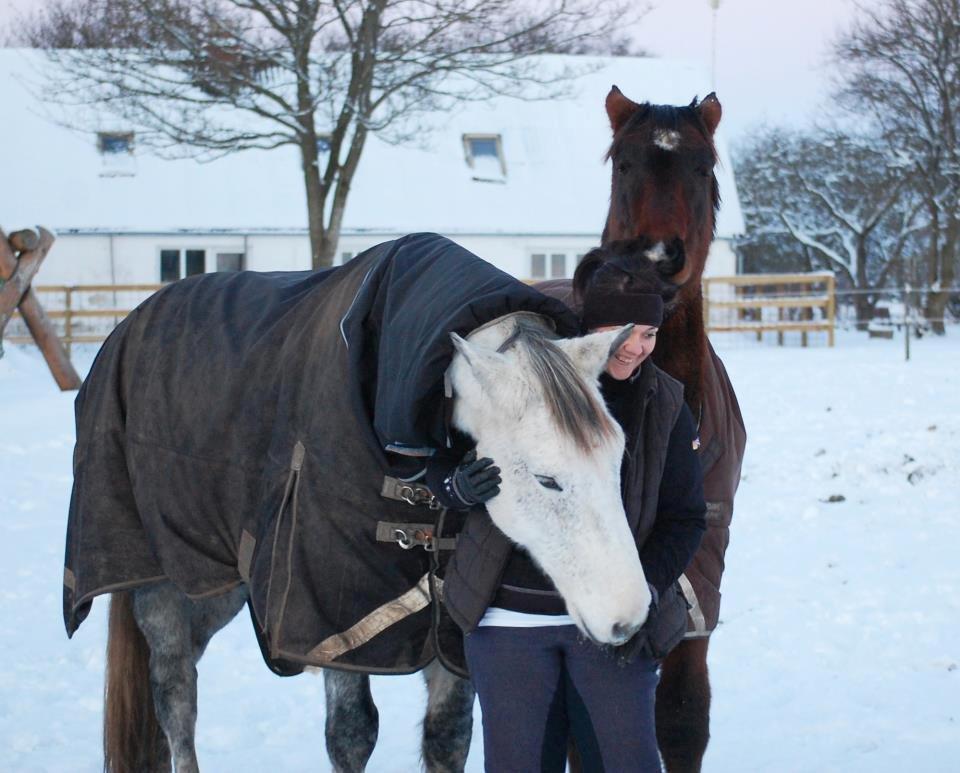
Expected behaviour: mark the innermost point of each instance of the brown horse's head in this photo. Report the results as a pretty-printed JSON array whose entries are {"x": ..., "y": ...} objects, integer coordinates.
[{"x": 664, "y": 188}]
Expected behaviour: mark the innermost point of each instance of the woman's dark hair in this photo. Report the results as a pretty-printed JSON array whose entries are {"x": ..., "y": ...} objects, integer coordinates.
[{"x": 624, "y": 266}]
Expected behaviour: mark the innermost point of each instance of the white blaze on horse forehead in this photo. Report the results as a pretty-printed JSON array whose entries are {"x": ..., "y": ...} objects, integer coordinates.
[{"x": 666, "y": 139}]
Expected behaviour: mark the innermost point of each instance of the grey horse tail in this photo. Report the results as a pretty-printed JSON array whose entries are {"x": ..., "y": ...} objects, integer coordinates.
[{"x": 131, "y": 733}]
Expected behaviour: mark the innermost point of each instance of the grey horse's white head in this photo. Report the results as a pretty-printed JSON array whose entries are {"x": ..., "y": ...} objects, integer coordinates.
[{"x": 534, "y": 406}]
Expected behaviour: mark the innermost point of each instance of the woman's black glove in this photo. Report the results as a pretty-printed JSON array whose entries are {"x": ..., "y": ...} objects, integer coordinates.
[
  {"x": 472, "y": 482},
  {"x": 638, "y": 644}
]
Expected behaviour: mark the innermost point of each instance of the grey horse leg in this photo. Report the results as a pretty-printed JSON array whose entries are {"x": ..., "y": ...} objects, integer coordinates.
[
  {"x": 177, "y": 631},
  {"x": 448, "y": 725},
  {"x": 352, "y": 720}
]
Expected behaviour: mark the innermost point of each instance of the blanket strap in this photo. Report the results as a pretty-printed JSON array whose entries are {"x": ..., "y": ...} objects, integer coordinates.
[
  {"x": 407, "y": 491},
  {"x": 409, "y": 535},
  {"x": 695, "y": 613},
  {"x": 411, "y": 602}
]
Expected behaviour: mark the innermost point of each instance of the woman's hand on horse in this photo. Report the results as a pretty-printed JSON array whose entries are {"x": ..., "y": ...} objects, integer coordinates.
[{"x": 472, "y": 482}]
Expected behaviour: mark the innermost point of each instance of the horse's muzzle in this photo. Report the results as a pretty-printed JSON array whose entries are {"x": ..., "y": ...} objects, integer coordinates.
[{"x": 674, "y": 260}]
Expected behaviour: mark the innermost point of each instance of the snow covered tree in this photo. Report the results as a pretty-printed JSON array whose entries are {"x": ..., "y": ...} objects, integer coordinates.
[
  {"x": 831, "y": 200},
  {"x": 900, "y": 64},
  {"x": 211, "y": 77}
]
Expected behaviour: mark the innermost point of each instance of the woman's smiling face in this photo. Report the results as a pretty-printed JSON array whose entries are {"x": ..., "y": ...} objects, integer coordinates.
[{"x": 632, "y": 352}]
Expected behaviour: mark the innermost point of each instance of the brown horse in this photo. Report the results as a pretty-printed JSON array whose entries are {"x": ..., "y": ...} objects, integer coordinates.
[
  {"x": 664, "y": 188},
  {"x": 665, "y": 193}
]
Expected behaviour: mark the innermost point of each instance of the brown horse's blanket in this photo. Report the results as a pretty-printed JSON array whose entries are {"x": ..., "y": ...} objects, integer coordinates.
[
  {"x": 722, "y": 442},
  {"x": 239, "y": 428}
]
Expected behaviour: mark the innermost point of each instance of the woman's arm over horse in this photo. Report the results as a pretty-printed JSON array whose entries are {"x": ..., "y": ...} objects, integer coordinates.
[{"x": 681, "y": 509}]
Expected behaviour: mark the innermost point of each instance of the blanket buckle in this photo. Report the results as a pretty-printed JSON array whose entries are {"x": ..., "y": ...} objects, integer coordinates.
[
  {"x": 410, "y": 538},
  {"x": 418, "y": 495}
]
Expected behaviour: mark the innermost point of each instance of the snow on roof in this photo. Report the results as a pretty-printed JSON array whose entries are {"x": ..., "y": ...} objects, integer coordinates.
[{"x": 556, "y": 181}]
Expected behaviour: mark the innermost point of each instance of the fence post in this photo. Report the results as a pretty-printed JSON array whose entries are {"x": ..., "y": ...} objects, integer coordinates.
[
  {"x": 831, "y": 308},
  {"x": 906, "y": 323},
  {"x": 68, "y": 321},
  {"x": 779, "y": 290}
]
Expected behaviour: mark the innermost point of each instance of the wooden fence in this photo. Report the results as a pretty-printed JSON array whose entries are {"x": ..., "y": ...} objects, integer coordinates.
[
  {"x": 755, "y": 303},
  {"x": 87, "y": 313},
  {"x": 780, "y": 303}
]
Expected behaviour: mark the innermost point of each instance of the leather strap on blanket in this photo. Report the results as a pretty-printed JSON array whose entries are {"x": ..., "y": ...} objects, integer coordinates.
[
  {"x": 406, "y": 491},
  {"x": 409, "y": 535}
]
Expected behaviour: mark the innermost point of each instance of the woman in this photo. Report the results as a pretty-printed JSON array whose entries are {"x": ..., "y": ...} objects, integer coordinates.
[{"x": 538, "y": 679}]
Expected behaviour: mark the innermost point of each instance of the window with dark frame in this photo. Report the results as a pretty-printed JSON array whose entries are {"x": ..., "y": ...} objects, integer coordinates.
[
  {"x": 112, "y": 143},
  {"x": 176, "y": 264},
  {"x": 196, "y": 262},
  {"x": 169, "y": 265}
]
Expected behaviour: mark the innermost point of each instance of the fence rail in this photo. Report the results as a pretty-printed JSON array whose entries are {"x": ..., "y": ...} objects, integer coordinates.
[
  {"x": 745, "y": 303},
  {"x": 777, "y": 303},
  {"x": 84, "y": 313}
]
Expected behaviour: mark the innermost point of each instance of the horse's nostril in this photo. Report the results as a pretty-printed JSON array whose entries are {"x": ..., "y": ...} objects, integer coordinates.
[
  {"x": 676, "y": 255},
  {"x": 623, "y": 631}
]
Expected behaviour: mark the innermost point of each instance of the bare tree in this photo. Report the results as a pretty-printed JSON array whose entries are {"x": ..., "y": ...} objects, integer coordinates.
[
  {"x": 901, "y": 64},
  {"x": 211, "y": 77},
  {"x": 830, "y": 200}
]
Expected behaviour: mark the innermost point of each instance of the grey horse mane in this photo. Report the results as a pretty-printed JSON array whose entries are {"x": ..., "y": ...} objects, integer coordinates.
[{"x": 574, "y": 408}]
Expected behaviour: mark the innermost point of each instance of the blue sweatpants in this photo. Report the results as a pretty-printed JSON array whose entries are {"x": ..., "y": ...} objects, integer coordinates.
[{"x": 537, "y": 686}]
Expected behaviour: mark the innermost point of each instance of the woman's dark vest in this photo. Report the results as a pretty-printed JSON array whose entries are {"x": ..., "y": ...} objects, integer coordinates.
[{"x": 474, "y": 572}]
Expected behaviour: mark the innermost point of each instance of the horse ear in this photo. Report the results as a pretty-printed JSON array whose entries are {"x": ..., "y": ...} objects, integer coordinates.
[
  {"x": 710, "y": 111},
  {"x": 619, "y": 108},
  {"x": 589, "y": 353},
  {"x": 483, "y": 363}
]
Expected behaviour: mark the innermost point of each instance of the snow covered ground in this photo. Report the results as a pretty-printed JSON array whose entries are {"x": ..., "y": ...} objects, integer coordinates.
[{"x": 839, "y": 648}]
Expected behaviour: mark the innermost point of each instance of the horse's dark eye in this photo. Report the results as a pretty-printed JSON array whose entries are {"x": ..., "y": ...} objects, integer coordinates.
[
  {"x": 547, "y": 482},
  {"x": 624, "y": 166},
  {"x": 703, "y": 171}
]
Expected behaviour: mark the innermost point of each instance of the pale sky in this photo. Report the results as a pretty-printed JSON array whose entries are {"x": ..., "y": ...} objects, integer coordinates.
[{"x": 770, "y": 54}]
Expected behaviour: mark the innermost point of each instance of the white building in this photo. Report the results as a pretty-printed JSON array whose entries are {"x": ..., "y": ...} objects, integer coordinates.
[{"x": 534, "y": 200}]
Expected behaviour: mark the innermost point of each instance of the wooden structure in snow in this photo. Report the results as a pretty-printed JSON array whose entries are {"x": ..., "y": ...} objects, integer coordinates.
[
  {"x": 779, "y": 303},
  {"x": 20, "y": 257}
]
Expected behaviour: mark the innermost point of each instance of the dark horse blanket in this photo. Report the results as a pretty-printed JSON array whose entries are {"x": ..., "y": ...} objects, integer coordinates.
[{"x": 239, "y": 428}]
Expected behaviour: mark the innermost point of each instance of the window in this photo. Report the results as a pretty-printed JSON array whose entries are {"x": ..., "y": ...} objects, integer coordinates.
[
  {"x": 538, "y": 266},
  {"x": 484, "y": 155},
  {"x": 116, "y": 152},
  {"x": 229, "y": 261},
  {"x": 552, "y": 265},
  {"x": 169, "y": 265},
  {"x": 558, "y": 266},
  {"x": 111, "y": 143},
  {"x": 175, "y": 264},
  {"x": 195, "y": 262},
  {"x": 484, "y": 146}
]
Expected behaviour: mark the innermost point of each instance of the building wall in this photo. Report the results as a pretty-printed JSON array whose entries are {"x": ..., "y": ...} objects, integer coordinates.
[{"x": 136, "y": 258}]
